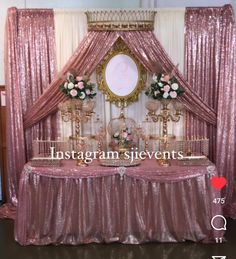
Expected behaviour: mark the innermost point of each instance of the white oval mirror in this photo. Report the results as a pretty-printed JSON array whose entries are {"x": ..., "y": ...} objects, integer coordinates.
[{"x": 121, "y": 75}]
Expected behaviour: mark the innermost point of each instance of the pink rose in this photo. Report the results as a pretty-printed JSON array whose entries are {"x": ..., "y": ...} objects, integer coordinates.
[
  {"x": 124, "y": 134},
  {"x": 173, "y": 94},
  {"x": 166, "y": 78},
  {"x": 73, "y": 92},
  {"x": 81, "y": 85},
  {"x": 79, "y": 78},
  {"x": 166, "y": 88},
  {"x": 114, "y": 142},
  {"x": 129, "y": 138}
]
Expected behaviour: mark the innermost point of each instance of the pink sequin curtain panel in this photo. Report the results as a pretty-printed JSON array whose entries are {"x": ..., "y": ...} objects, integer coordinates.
[
  {"x": 226, "y": 110},
  {"x": 202, "y": 48},
  {"x": 15, "y": 132},
  {"x": 30, "y": 67},
  {"x": 210, "y": 66}
]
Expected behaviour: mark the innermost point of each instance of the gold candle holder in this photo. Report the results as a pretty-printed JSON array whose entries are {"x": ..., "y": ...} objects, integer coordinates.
[
  {"x": 77, "y": 111},
  {"x": 165, "y": 116}
]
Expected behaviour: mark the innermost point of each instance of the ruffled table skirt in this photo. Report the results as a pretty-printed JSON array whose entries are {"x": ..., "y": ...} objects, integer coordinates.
[{"x": 71, "y": 205}]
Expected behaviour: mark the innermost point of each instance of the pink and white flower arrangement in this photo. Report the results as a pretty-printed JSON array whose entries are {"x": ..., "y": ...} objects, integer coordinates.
[
  {"x": 78, "y": 87},
  {"x": 164, "y": 86},
  {"x": 123, "y": 137}
]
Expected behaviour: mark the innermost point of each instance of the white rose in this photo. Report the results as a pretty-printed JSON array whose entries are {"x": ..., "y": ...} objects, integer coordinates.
[
  {"x": 71, "y": 85},
  {"x": 165, "y": 95},
  {"x": 66, "y": 85},
  {"x": 69, "y": 75},
  {"x": 154, "y": 78},
  {"x": 116, "y": 134},
  {"x": 160, "y": 84},
  {"x": 82, "y": 96},
  {"x": 175, "y": 86}
]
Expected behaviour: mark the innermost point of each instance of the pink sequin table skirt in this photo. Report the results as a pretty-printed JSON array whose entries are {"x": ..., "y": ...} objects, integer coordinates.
[{"x": 72, "y": 205}]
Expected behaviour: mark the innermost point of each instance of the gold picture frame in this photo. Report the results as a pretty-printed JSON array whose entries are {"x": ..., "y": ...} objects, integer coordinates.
[{"x": 135, "y": 79}]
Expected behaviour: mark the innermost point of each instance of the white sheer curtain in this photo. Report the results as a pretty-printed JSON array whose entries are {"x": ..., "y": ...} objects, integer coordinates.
[
  {"x": 169, "y": 30},
  {"x": 71, "y": 27},
  {"x": 149, "y": 3}
]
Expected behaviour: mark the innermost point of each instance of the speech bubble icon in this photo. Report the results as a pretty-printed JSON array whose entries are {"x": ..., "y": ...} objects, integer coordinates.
[
  {"x": 219, "y": 257},
  {"x": 215, "y": 224}
]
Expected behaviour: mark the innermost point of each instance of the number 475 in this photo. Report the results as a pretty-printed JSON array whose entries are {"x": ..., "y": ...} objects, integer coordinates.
[{"x": 219, "y": 200}]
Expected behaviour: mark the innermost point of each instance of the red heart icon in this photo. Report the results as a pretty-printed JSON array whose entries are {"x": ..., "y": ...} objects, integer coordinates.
[{"x": 218, "y": 182}]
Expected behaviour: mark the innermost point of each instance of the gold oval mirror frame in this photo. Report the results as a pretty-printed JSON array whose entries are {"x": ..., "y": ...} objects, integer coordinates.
[{"x": 120, "y": 75}]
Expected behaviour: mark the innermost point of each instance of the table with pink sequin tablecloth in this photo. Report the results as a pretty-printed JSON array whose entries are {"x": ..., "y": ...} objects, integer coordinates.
[{"x": 74, "y": 205}]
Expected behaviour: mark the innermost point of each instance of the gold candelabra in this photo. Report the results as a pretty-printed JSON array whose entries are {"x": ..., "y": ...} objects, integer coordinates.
[
  {"x": 77, "y": 111},
  {"x": 165, "y": 116}
]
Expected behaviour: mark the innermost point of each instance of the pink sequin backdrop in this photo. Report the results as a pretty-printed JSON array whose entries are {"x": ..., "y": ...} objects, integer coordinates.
[
  {"x": 30, "y": 68},
  {"x": 210, "y": 67},
  {"x": 85, "y": 59}
]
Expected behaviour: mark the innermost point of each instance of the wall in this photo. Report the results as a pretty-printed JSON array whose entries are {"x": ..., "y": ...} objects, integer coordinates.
[
  {"x": 89, "y": 4},
  {"x": 5, "y": 4},
  {"x": 233, "y": 3},
  {"x": 83, "y": 3},
  {"x": 183, "y": 3}
]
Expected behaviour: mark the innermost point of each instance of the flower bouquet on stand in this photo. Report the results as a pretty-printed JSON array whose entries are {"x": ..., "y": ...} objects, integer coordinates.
[
  {"x": 78, "y": 108},
  {"x": 122, "y": 141},
  {"x": 78, "y": 87},
  {"x": 123, "y": 138},
  {"x": 164, "y": 86}
]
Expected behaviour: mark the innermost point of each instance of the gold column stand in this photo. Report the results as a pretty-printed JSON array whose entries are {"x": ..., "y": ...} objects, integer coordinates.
[
  {"x": 77, "y": 111},
  {"x": 165, "y": 116}
]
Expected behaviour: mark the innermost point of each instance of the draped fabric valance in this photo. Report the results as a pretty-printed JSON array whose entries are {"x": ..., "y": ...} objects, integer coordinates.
[{"x": 90, "y": 53}]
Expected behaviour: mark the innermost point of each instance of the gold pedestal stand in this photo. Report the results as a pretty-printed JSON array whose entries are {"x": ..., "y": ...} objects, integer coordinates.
[
  {"x": 77, "y": 111},
  {"x": 165, "y": 116}
]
